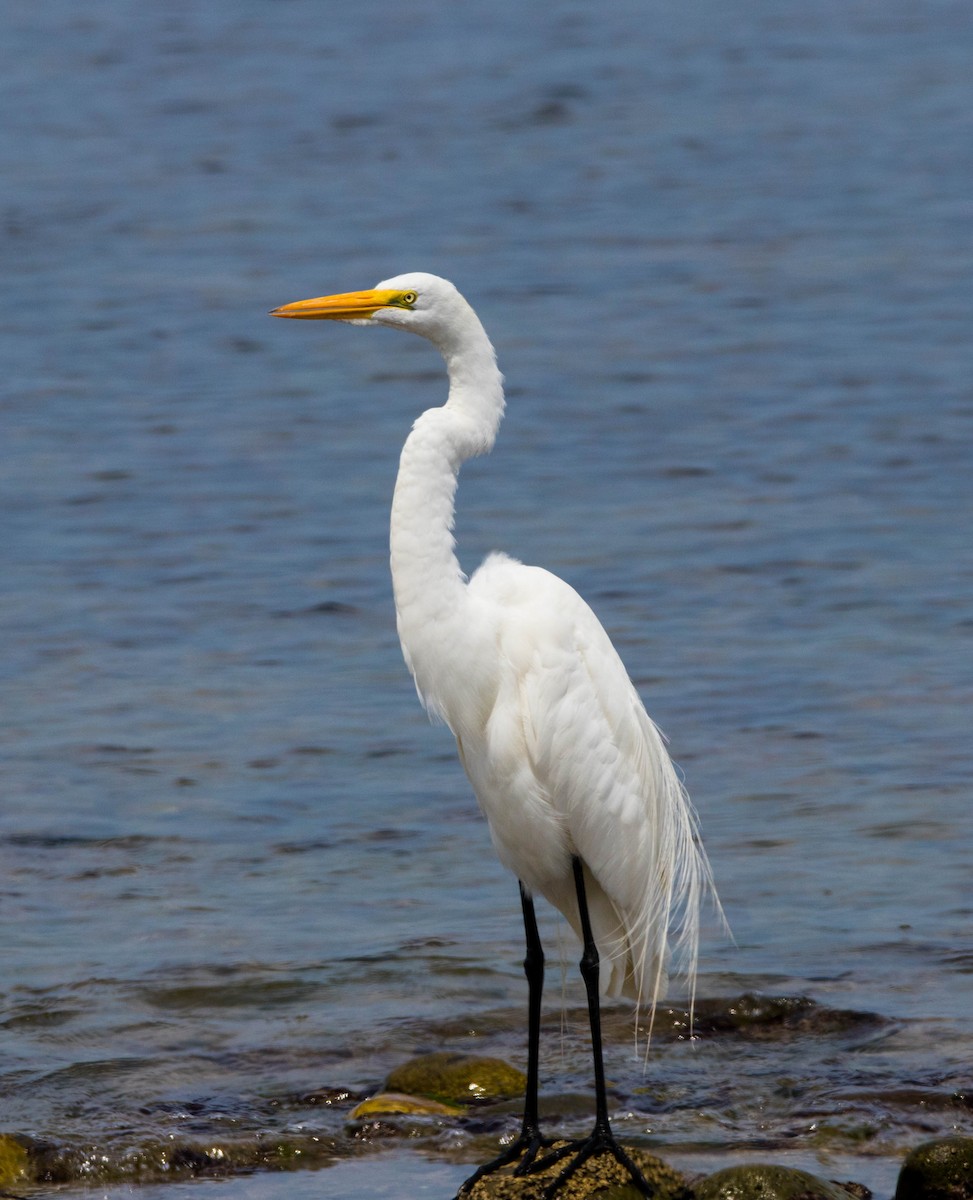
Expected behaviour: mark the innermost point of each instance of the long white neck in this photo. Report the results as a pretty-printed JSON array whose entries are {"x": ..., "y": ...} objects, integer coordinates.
[{"x": 431, "y": 597}]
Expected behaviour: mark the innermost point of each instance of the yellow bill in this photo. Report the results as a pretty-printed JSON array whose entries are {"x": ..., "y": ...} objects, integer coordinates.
[{"x": 347, "y": 306}]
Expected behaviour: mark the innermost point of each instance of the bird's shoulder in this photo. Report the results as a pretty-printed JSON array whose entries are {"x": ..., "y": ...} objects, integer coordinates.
[
  {"x": 530, "y": 599},
  {"x": 544, "y": 628}
]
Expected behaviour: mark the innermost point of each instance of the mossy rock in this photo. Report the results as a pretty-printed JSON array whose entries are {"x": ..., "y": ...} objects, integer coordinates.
[
  {"x": 764, "y": 1181},
  {"x": 14, "y": 1161},
  {"x": 395, "y": 1103},
  {"x": 940, "y": 1170},
  {"x": 601, "y": 1178},
  {"x": 457, "y": 1078}
]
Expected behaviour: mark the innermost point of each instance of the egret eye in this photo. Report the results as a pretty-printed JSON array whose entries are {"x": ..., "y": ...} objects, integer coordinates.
[{"x": 410, "y": 298}]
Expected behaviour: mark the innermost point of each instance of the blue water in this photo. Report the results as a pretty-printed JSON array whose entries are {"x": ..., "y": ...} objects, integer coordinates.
[{"x": 724, "y": 254}]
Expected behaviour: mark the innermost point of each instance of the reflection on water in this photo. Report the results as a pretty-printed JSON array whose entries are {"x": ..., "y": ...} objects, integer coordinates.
[{"x": 725, "y": 265}]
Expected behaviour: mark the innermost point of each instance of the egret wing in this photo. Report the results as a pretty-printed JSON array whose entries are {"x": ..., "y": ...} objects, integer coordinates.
[{"x": 602, "y": 765}]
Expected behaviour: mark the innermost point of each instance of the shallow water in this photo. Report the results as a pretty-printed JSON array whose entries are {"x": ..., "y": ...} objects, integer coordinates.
[{"x": 725, "y": 261}]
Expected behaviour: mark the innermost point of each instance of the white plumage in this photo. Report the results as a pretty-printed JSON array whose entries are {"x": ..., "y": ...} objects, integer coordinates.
[{"x": 582, "y": 800}]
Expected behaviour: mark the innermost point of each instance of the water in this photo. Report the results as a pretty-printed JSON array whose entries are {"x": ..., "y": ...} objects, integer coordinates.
[{"x": 724, "y": 256}]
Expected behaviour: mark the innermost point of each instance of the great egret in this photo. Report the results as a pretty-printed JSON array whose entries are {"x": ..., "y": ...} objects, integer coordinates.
[{"x": 583, "y": 803}]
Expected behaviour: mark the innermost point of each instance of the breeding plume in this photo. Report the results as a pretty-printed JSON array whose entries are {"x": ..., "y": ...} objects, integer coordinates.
[{"x": 582, "y": 800}]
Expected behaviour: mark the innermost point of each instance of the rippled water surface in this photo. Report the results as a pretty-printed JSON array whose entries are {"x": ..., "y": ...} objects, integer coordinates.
[{"x": 725, "y": 255}]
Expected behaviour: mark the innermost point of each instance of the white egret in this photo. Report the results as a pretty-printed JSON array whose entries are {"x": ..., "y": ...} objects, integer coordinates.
[{"x": 583, "y": 803}]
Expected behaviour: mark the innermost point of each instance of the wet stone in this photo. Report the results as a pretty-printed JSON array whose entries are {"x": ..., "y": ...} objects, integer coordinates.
[
  {"x": 601, "y": 1178},
  {"x": 393, "y": 1103},
  {"x": 330, "y": 1097},
  {"x": 155, "y": 1161},
  {"x": 939, "y": 1170},
  {"x": 764, "y": 1181},
  {"x": 457, "y": 1078},
  {"x": 779, "y": 1017}
]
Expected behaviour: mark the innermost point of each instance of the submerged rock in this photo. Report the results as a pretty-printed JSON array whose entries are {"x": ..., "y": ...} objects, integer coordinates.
[
  {"x": 329, "y": 1097},
  {"x": 773, "y": 1018},
  {"x": 764, "y": 1181},
  {"x": 154, "y": 1161},
  {"x": 457, "y": 1078},
  {"x": 939, "y": 1170}
]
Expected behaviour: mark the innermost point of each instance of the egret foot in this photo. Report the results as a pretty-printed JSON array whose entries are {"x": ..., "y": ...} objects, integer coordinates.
[
  {"x": 601, "y": 1142},
  {"x": 527, "y": 1146}
]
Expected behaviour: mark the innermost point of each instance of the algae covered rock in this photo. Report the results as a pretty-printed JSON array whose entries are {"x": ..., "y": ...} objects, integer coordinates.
[
  {"x": 764, "y": 1181},
  {"x": 14, "y": 1161},
  {"x": 457, "y": 1078},
  {"x": 601, "y": 1178},
  {"x": 940, "y": 1170},
  {"x": 396, "y": 1103}
]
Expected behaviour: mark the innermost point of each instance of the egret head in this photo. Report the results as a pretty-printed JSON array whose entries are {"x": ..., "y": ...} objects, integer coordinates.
[{"x": 420, "y": 303}]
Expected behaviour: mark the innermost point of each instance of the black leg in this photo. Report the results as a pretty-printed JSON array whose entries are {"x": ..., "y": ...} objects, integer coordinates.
[
  {"x": 534, "y": 970},
  {"x": 529, "y": 1141},
  {"x": 601, "y": 1140}
]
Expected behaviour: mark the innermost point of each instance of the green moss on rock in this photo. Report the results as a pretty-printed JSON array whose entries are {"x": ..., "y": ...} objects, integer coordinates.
[
  {"x": 457, "y": 1078},
  {"x": 393, "y": 1103},
  {"x": 14, "y": 1161},
  {"x": 764, "y": 1181},
  {"x": 940, "y": 1170},
  {"x": 601, "y": 1178}
]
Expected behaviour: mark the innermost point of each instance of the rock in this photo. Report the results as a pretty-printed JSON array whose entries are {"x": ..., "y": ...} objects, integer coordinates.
[
  {"x": 760, "y": 1181},
  {"x": 940, "y": 1170},
  {"x": 390, "y": 1103},
  {"x": 14, "y": 1162},
  {"x": 857, "y": 1191},
  {"x": 332, "y": 1097},
  {"x": 774, "y": 1018},
  {"x": 457, "y": 1078},
  {"x": 601, "y": 1178}
]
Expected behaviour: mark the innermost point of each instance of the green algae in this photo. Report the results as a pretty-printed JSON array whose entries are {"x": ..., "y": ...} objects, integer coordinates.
[
  {"x": 766, "y": 1181},
  {"x": 14, "y": 1162},
  {"x": 395, "y": 1103},
  {"x": 457, "y": 1078},
  {"x": 601, "y": 1178}
]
